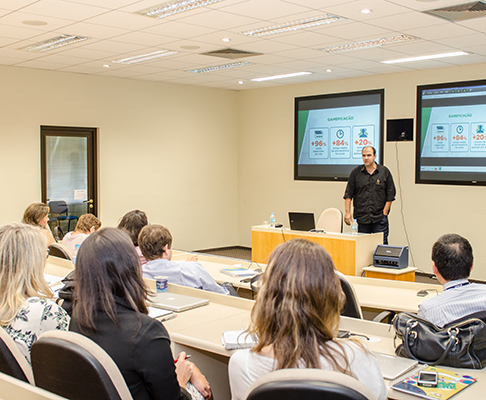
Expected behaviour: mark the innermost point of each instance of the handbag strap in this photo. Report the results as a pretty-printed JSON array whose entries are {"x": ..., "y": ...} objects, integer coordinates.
[{"x": 452, "y": 341}]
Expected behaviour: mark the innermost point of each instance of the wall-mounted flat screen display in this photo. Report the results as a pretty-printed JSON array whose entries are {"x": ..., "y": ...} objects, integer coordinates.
[
  {"x": 451, "y": 133},
  {"x": 331, "y": 131}
]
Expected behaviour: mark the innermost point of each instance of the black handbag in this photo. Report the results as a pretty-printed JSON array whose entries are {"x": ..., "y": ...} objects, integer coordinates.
[{"x": 461, "y": 343}]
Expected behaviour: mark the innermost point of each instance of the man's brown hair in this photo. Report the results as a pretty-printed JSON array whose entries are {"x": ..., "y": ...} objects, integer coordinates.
[{"x": 152, "y": 241}]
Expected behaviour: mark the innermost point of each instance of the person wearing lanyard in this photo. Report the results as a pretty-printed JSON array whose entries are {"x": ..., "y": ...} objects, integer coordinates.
[
  {"x": 452, "y": 263},
  {"x": 371, "y": 188}
]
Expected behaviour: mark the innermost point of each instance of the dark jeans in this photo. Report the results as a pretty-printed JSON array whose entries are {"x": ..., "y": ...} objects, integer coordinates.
[{"x": 380, "y": 226}]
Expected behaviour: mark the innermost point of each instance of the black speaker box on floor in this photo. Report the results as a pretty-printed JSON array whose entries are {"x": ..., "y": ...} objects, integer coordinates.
[{"x": 398, "y": 130}]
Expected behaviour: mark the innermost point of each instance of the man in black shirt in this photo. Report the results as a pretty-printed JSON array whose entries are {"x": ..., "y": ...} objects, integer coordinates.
[{"x": 372, "y": 189}]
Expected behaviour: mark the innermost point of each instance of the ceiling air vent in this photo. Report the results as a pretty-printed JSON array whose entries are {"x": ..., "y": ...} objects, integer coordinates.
[
  {"x": 460, "y": 12},
  {"x": 231, "y": 54}
]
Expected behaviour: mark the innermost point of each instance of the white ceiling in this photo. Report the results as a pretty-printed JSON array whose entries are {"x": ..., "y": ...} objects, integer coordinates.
[{"x": 116, "y": 32}]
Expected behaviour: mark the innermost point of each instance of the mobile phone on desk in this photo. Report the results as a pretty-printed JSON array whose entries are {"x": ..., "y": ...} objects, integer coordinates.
[{"x": 427, "y": 378}]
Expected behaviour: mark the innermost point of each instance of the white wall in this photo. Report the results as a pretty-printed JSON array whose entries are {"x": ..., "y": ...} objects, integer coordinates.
[
  {"x": 265, "y": 165},
  {"x": 166, "y": 149}
]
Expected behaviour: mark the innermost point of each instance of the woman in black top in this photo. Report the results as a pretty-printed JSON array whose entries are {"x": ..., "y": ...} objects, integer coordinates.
[{"x": 110, "y": 309}]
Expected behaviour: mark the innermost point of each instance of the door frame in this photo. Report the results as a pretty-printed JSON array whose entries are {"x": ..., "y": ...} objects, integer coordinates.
[{"x": 70, "y": 131}]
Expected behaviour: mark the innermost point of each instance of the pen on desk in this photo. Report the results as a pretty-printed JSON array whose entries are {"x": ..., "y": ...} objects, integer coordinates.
[
  {"x": 187, "y": 356},
  {"x": 168, "y": 318}
]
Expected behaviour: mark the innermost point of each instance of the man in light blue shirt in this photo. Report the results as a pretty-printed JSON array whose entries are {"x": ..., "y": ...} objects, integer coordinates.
[
  {"x": 452, "y": 262},
  {"x": 155, "y": 241}
]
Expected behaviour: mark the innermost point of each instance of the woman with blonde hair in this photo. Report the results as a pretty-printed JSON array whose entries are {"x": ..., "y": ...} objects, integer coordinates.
[
  {"x": 37, "y": 214},
  {"x": 26, "y": 305},
  {"x": 296, "y": 319}
]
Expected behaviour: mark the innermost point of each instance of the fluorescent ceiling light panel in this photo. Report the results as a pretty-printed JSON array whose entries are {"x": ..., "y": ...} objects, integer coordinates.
[
  {"x": 269, "y": 78},
  {"x": 430, "y": 57},
  {"x": 54, "y": 43},
  {"x": 292, "y": 26},
  {"x": 369, "y": 43},
  {"x": 145, "y": 57},
  {"x": 219, "y": 67},
  {"x": 174, "y": 7}
]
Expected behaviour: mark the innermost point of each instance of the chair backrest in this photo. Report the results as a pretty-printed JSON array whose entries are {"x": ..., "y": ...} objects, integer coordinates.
[
  {"x": 308, "y": 384},
  {"x": 58, "y": 233},
  {"x": 58, "y": 207},
  {"x": 58, "y": 251},
  {"x": 12, "y": 361},
  {"x": 351, "y": 308},
  {"x": 331, "y": 220},
  {"x": 73, "y": 366}
]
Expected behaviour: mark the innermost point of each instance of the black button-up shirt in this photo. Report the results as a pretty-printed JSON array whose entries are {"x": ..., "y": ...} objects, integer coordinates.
[{"x": 370, "y": 192}]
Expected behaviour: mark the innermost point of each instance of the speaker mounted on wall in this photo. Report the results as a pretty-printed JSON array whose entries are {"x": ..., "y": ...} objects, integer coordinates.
[{"x": 398, "y": 130}]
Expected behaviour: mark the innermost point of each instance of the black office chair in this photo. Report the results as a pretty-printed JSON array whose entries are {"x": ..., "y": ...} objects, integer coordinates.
[
  {"x": 351, "y": 308},
  {"x": 308, "y": 384},
  {"x": 12, "y": 361},
  {"x": 58, "y": 251},
  {"x": 59, "y": 209},
  {"x": 75, "y": 367}
]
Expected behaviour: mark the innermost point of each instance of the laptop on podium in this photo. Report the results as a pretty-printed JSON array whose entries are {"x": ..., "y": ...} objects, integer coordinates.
[{"x": 301, "y": 221}]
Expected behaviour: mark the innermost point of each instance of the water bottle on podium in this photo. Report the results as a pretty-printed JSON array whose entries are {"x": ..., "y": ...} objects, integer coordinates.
[
  {"x": 354, "y": 227},
  {"x": 272, "y": 220}
]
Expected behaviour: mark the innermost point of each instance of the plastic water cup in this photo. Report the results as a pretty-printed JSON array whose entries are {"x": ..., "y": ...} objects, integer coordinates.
[{"x": 162, "y": 283}]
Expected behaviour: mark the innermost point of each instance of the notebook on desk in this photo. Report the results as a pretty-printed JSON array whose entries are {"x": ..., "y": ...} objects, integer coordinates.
[
  {"x": 392, "y": 366},
  {"x": 176, "y": 302},
  {"x": 301, "y": 221}
]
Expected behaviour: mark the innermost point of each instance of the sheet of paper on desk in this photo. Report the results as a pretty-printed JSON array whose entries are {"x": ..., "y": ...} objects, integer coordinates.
[
  {"x": 158, "y": 312},
  {"x": 51, "y": 279},
  {"x": 233, "y": 340}
]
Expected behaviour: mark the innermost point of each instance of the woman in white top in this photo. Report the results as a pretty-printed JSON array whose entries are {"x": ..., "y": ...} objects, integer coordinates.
[
  {"x": 26, "y": 305},
  {"x": 296, "y": 318}
]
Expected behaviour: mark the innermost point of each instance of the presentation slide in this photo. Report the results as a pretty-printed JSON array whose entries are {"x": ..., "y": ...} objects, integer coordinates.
[
  {"x": 452, "y": 135},
  {"x": 455, "y": 131},
  {"x": 338, "y": 135}
]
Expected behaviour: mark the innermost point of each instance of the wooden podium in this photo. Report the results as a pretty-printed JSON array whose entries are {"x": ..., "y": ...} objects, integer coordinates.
[{"x": 349, "y": 253}]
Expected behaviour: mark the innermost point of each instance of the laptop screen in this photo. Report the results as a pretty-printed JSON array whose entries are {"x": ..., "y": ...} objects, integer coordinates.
[{"x": 300, "y": 221}]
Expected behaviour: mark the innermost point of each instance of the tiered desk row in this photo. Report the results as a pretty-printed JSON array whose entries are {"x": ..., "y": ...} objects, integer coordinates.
[{"x": 198, "y": 331}]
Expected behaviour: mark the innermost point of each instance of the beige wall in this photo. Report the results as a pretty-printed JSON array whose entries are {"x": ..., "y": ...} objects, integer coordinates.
[
  {"x": 211, "y": 163},
  {"x": 168, "y": 150},
  {"x": 265, "y": 165}
]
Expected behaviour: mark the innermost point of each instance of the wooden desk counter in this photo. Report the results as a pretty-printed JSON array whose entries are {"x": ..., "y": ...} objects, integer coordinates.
[{"x": 350, "y": 253}]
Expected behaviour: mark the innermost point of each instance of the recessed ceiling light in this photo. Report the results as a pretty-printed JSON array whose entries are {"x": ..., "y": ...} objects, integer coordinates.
[
  {"x": 368, "y": 43},
  {"x": 34, "y": 22},
  {"x": 328, "y": 70},
  {"x": 292, "y": 26},
  {"x": 240, "y": 82},
  {"x": 54, "y": 43},
  {"x": 226, "y": 39},
  {"x": 269, "y": 78},
  {"x": 174, "y": 7},
  {"x": 366, "y": 11},
  {"x": 145, "y": 57},
  {"x": 219, "y": 67},
  {"x": 429, "y": 57},
  {"x": 106, "y": 66}
]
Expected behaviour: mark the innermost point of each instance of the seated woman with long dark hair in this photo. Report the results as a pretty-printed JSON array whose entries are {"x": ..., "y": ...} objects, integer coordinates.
[
  {"x": 133, "y": 222},
  {"x": 110, "y": 308},
  {"x": 296, "y": 318}
]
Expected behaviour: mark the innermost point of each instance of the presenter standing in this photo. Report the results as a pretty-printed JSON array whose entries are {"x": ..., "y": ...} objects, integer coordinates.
[{"x": 372, "y": 189}]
